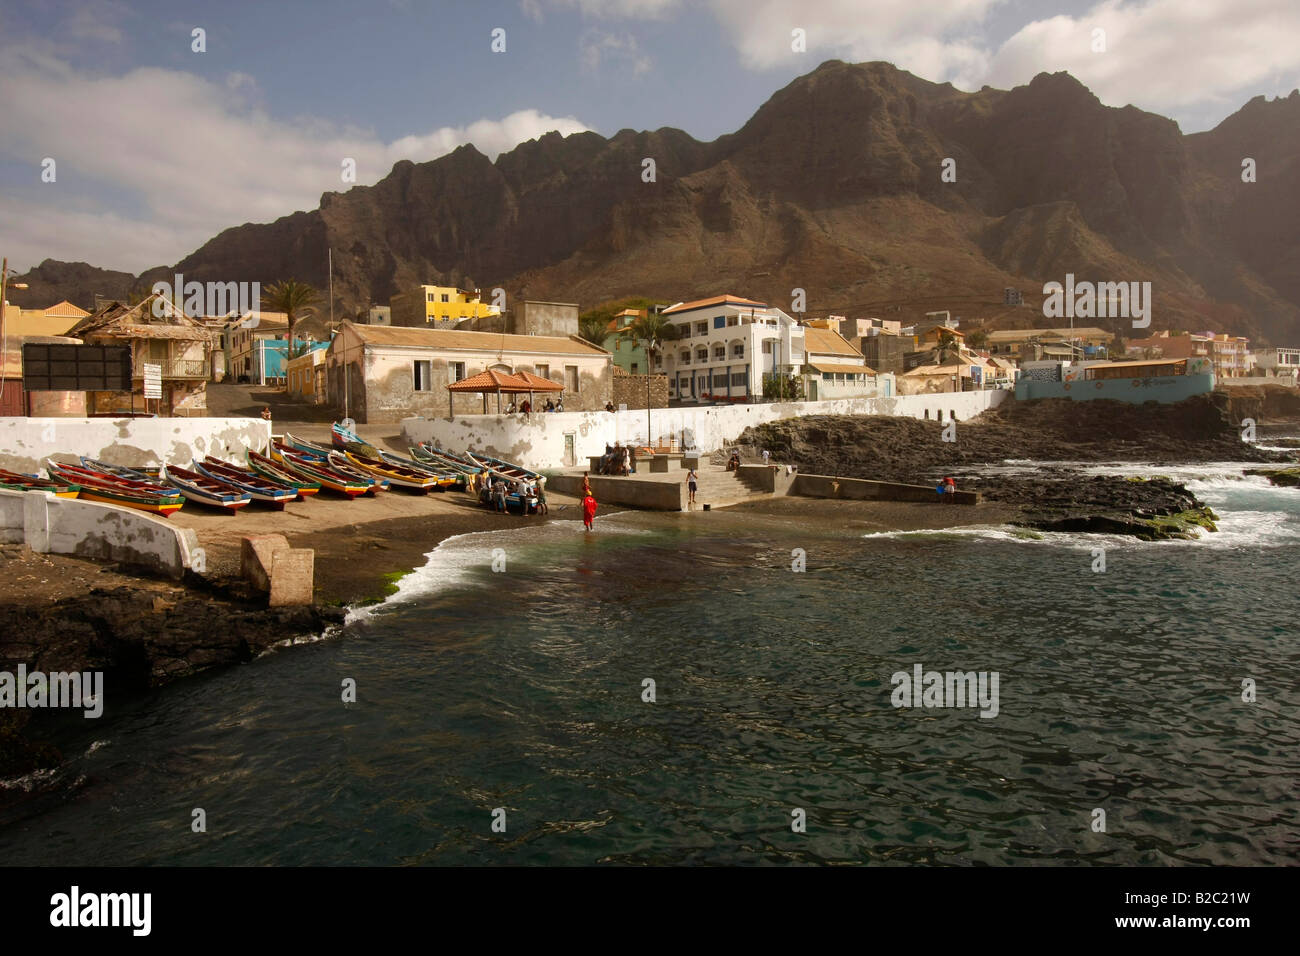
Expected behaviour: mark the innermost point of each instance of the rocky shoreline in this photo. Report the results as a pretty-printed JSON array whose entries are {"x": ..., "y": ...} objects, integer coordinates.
[{"x": 976, "y": 455}]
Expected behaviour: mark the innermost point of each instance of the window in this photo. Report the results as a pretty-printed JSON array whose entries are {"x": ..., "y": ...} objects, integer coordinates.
[
  {"x": 719, "y": 379},
  {"x": 732, "y": 320},
  {"x": 719, "y": 321},
  {"x": 428, "y": 297},
  {"x": 767, "y": 347},
  {"x": 702, "y": 354},
  {"x": 544, "y": 371},
  {"x": 423, "y": 380},
  {"x": 701, "y": 328},
  {"x": 455, "y": 371},
  {"x": 827, "y": 377},
  {"x": 684, "y": 383},
  {"x": 685, "y": 357},
  {"x": 739, "y": 378},
  {"x": 634, "y": 368},
  {"x": 571, "y": 379},
  {"x": 446, "y": 297},
  {"x": 720, "y": 353},
  {"x": 738, "y": 350}
]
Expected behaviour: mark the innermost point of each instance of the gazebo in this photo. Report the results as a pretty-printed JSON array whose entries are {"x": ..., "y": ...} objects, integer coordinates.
[{"x": 497, "y": 381}]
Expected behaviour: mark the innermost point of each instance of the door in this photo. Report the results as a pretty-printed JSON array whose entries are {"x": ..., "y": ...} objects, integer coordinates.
[{"x": 570, "y": 452}]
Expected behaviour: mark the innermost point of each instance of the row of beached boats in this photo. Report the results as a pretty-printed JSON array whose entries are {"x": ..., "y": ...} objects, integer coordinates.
[{"x": 292, "y": 469}]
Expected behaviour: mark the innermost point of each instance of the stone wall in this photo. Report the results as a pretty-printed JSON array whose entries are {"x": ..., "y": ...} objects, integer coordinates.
[
  {"x": 25, "y": 443},
  {"x": 630, "y": 390}
]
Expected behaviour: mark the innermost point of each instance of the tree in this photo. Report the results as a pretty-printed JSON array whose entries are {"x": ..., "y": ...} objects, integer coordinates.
[
  {"x": 592, "y": 328},
  {"x": 977, "y": 339},
  {"x": 650, "y": 331},
  {"x": 295, "y": 299}
]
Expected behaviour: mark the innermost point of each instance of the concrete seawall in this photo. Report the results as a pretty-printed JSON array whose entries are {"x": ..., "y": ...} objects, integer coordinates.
[
  {"x": 635, "y": 493},
  {"x": 25, "y": 443},
  {"x": 566, "y": 439},
  {"x": 823, "y": 486},
  {"x": 104, "y": 532}
]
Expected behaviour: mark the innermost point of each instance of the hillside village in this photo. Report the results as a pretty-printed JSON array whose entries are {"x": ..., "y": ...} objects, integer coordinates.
[{"x": 386, "y": 363}]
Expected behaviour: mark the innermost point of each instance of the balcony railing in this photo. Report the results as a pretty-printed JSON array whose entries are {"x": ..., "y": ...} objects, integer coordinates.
[{"x": 174, "y": 368}]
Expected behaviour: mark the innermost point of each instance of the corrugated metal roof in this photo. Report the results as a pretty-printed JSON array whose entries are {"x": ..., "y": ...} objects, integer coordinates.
[
  {"x": 826, "y": 342},
  {"x": 839, "y": 368}
]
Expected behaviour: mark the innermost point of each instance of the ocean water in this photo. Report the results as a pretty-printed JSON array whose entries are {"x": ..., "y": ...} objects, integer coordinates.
[{"x": 522, "y": 691}]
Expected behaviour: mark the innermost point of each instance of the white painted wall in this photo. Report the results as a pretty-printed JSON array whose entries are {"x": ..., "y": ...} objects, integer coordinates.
[
  {"x": 540, "y": 442},
  {"x": 25, "y": 443},
  {"x": 90, "y": 529}
]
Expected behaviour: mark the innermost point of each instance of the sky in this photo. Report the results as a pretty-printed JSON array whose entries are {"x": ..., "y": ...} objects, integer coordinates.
[{"x": 157, "y": 145}]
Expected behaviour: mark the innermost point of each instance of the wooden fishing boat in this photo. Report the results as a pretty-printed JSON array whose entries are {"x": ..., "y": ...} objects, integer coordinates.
[
  {"x": 443, "y": 478},
  {"x": 134, "y": 472},
  {"x": 19, "y": 481},
  {"x": 515, "y": 502},
  {"x": 397, "y": 476},
  {"x": 255, "y": 486},
  {"x": 322, "y": 456},
  {"x": 426, "y": 451},
  {"x": 505, "y": 469},
  {"x": 322, "y": 474},
  {"x": 99, "y": 486},
  {"x": 204, "y": 490},
  {"x": 266, "y": 468},
  {"x": 340, "y": 436}
]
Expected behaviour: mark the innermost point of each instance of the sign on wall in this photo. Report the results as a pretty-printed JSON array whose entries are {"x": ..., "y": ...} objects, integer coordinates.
[
  {"x": 76, "y": 368},
  {"x": 152, "y": 381}
]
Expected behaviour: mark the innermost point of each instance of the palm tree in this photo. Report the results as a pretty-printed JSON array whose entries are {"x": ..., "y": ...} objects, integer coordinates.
[
  {"x": 650, "y": 331},
  {"x": 295, "y": 299},
  {"x": 593, "y": 328}
]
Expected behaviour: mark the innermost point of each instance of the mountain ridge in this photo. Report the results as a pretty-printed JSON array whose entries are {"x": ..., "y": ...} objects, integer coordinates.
[{"x": 833, "y": 185}]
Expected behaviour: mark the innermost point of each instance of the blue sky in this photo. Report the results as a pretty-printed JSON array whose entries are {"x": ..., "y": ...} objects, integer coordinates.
[{"x": 157, "y": 147}]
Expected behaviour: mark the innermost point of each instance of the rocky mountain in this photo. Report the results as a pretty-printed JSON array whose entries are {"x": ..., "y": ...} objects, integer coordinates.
[{"x": 833, "y": 186}]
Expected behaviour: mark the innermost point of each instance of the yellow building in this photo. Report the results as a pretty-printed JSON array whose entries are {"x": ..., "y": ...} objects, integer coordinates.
[
  {"x": 56, "y": 320},
  {"x": 437, "y": 306},
  {"x": 306, "y": 378}
]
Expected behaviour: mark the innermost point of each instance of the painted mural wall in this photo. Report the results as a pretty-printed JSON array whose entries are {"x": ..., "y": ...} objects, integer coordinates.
[{"x": 25, "y": 443}]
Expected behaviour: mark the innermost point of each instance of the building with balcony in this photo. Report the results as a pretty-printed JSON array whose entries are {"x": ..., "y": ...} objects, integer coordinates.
[
  {"x": 179, "y": 345},
  {"x": 1281, "y": 363},
  {"x": 726, "y": 346},
  {"x": 833, "y": 368},
  {"x": 628, "y": 353}
]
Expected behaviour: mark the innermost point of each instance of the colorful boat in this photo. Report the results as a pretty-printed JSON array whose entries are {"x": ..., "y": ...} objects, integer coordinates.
[
  {"x": 322, "y": 474},
  {"x": 261, "y": 489},
  {"x": 341, "y": 436},
  {"x": 427, "y": 451},
  {"x": 515, "y": 502},
  {"x": 323, "y": 456},
  {"x": 398, "y": 477},
  {"x": 111, "y": 489},
  {"x": 443, "y": 477},
  {"x": 505, "y": 469},
  {"x": 19, "y": 481},
  {"x": 134, "y": 472},
  {"x": 266, "y": 468},
  {"x": 204, "y": 490}
]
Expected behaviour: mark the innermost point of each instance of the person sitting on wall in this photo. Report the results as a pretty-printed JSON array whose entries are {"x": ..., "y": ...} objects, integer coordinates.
[
  {"x": 550, "y": 406},
  {"x": 733, "y": 463},
  {"x": 526, "y": 408},
  {"x": 559, "y": 406},
  {"x": 510, "y": 409},
  {"x": 609, "y": 406},
  {"x": 266, "y": 412}
]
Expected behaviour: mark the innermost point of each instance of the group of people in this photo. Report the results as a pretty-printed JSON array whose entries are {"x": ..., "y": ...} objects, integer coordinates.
[
  {"x": 617, "y": 460},
  {"x": 495, "y": 490},
  {"x": 947, "y": 491},
  {"x": 526, "y": 407}
]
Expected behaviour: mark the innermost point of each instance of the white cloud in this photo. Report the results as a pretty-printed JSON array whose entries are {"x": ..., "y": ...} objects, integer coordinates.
[
  {"x": 631, "y": 9},
  {"x": 174, "y": 158},
  {"x": 598, "y": 46},
  {"x": 1162, "y": 55},
  {"x": 932, "y": 39}
]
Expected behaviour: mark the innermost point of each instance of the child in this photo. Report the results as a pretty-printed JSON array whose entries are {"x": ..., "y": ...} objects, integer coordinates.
[{"x": 588, "y": 511}]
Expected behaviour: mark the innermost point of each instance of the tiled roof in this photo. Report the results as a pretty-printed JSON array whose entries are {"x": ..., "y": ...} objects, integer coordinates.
[
  {"x": 491, "y": 381},
  {"x": 393, "y": 335},
  {"x": 716, "y": 300}
]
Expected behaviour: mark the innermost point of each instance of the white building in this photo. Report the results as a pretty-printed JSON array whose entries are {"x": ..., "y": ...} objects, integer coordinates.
[
  {"x": 1278, "y": 362},
  {"x": 833, "y": 368},
  {"x": 725, "y": 346}
]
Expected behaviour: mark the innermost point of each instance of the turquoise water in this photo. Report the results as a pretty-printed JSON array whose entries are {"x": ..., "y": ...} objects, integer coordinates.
[{"x": 523, "y": 690}]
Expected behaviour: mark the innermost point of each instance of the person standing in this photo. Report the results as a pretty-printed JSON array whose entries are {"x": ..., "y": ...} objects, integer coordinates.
[
  {"x": 541, "y": 498},
  {"x": 588, "y": 511},
  {"x": 586, "y": 485},
  {"x": 692, "y": 484},
  {"x": 950, "y": 491},
  {"x": 499, "y": 492},
  {"x": 767, "y": 457},
  {"x": 627, "y": 462}
]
